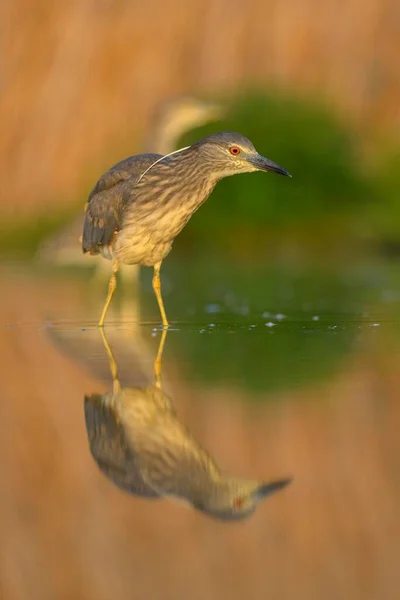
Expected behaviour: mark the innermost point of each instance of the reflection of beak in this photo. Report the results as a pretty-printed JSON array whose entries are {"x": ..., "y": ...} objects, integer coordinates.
[
  {"x": 264, "y": 164},
  {"x": 265, "y": 489}
]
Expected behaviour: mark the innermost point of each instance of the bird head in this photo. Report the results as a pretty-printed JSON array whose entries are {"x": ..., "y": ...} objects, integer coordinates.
[
  {"x": 234, "y": 499},
  {"x": 231, "y": 153}
]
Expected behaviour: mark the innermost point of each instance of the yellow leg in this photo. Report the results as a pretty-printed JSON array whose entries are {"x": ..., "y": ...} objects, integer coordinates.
[
  {"x": 111, "y": 289},
  {"x": 157, "y": 291},
  {"x": 113, "y": 363},
  {"x": 158, "y": 360}
]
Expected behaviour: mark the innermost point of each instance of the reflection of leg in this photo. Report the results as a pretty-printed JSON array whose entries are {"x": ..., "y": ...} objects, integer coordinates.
[
  {"x": 113, "y": 364},
  {"x": 157, "y": 362},
  {"x": 111, "y": 289},
  {"x": 157, "y": 291}
]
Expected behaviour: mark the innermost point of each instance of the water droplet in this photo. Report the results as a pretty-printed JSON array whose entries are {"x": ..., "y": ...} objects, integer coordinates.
[{"x": 270, "y": 324}]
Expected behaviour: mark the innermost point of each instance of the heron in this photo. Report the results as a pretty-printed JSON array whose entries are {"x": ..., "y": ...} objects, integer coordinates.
[
  {"x": 135, "y": 220},
  {"x": 170, "y": 120},
  {"x": 139, "y": 443}
]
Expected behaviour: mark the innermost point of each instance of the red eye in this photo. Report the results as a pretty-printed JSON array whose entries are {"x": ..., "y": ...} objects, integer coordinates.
[
  {"x": 238, "y": 503},
  {"x": 234, "y": 150}
]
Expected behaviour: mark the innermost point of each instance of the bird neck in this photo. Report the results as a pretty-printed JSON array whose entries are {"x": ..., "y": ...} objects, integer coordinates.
[
  {"x": 208, "y": 487},
  {"x": 193, "y": 180},
  {"x": 177, "y": 185},
  {"x": 203, "y": 476}
]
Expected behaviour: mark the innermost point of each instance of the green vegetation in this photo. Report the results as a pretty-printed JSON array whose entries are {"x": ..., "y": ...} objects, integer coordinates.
[
  {"x": 383, "y": 217},
  {"x": 315, "y": 315},
  {"x": 305, "y": 139},
  {"x": 328, "y": 189}
]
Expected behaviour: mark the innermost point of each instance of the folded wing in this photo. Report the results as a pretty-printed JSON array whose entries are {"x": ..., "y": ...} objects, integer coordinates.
[{"x": 104, "y": 209}]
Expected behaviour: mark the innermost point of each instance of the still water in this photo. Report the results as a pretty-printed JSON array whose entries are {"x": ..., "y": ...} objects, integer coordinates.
[{"x": 273, "y": 373}]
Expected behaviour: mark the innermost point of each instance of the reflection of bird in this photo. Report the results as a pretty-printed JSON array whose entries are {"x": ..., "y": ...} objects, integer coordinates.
[
  {"x": 135, "y": 221},
  {"x": 139, "y": 443},
  {"x": 170, "y": 121}
]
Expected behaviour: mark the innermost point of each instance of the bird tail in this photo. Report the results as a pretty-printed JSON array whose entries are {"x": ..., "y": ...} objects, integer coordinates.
[
  {"x": 92, "y": 237},
  {"x": 105, "y": 436},
  {"x": 94, "y": 414},
  {"x": 99, "y": 228}
]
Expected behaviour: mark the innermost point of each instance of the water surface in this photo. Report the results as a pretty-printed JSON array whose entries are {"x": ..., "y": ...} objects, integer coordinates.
[{"x": 276, "y": 372}]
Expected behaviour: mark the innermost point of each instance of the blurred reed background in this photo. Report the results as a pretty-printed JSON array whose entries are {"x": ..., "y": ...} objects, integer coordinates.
[{"x": 316, "y": 86}]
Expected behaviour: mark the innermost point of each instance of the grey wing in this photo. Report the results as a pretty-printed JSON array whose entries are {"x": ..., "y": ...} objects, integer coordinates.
[
  {"x": 123, "y": 170},
  {"x": 109, "y": 448},
  {"x": 103, "y": 215},
  {"x": 104, "y": 209}
]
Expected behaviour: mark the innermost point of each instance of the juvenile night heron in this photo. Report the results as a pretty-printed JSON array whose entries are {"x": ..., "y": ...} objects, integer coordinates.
[
  {"x": 169, "y": 121},
  {"x": 135, "y": 221},
  {"x": 139, "y": 443}
]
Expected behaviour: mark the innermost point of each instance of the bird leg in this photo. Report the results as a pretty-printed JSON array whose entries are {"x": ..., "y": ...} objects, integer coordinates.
[
  {"x": 157, "y": 362},
  {"x": 157, "y": 291},
  {"x": 111, "y": 289},
  {"x": 113, "y": 363}
]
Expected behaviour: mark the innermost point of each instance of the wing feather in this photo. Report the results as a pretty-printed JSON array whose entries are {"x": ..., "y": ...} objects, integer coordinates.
[
  {"x": 104, "y": 209},
  {"x": 123, "y": 170}
]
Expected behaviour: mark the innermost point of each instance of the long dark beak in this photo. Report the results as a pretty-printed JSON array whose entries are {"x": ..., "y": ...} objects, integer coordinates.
[
  {"x": 265, "y": 489},
  {"x": 264, "y": 164}
]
